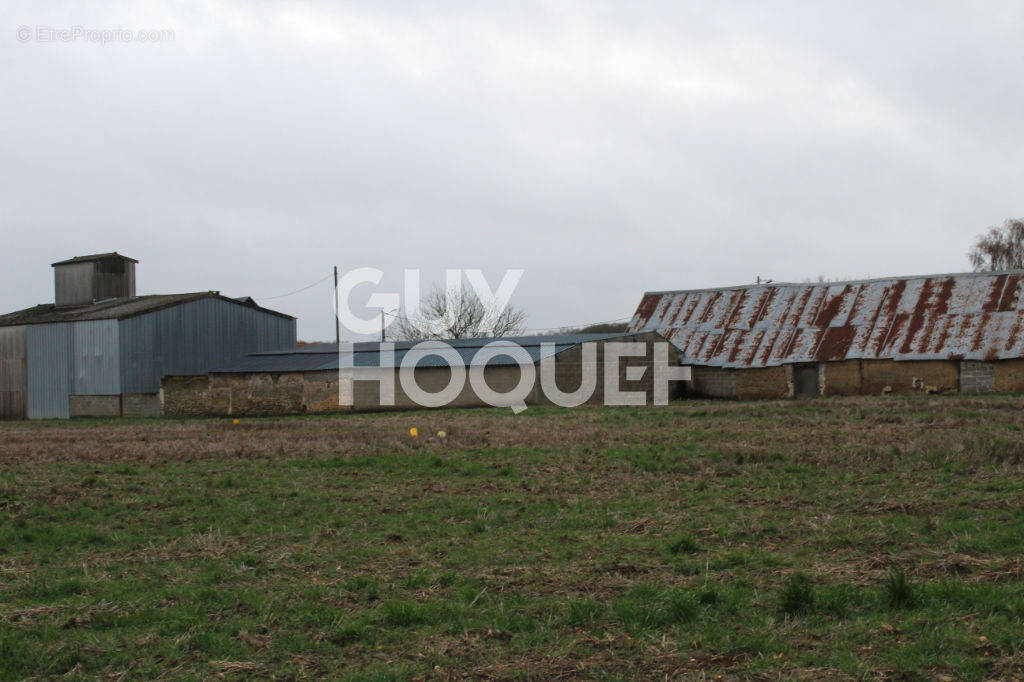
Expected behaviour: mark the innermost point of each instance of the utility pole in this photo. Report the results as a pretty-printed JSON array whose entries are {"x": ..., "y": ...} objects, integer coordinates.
[{"x": 337, "y": 318}]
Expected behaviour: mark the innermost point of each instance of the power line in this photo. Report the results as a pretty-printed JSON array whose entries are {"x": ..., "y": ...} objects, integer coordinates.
[
  {"x": 578, "y": 326},
  {"x": 292, "y": 293}
]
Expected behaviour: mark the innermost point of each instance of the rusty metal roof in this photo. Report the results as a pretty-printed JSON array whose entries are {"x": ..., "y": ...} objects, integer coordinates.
[{"x": 973, "y": 316}]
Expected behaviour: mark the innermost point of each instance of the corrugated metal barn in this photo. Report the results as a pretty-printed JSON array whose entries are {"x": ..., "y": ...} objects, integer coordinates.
[
  {"x": 956, "y": 332},
  {"x": 100, "y": 350}
]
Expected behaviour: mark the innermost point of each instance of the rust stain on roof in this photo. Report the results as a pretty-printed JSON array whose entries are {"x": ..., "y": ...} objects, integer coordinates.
[
  {"x": 830, "y": 309},
  {"x": 835, "y": 343},
  {"x": 995, "y": 294},
  {"x": 973, "y": 316},
  {"x": 647, "y": 305}
]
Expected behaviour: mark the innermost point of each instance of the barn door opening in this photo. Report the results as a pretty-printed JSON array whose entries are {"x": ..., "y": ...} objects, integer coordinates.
[{"x": 805, "y": 381}]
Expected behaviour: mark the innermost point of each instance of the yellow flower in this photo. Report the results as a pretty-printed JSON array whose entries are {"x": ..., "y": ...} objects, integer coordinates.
[
  {"x": 414, "y": 432},
  {"x": 441, "y": 434}
]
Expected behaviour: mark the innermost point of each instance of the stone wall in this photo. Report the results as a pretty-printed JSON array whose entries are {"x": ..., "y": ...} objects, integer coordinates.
[
  {"x": 500, "y": 378},
  {"x": 765, "y": 383},
  {"x": 760, "y": 383},
  {"x": 635, "y": 373},
  {"x": 846, "y": 377},
  {"x": 1009, "y": 376},
  {"x": 908, "y": 376},
  {"x": 317, "y": 392},
  {"x": 186, "y": 396},
  {"x": 841, "y": 378}
]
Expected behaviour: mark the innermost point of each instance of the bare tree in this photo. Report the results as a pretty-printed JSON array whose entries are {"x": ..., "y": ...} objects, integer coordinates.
[
  {"x": 1000, "y": 248},
  {"x": 457, "y": 313}
]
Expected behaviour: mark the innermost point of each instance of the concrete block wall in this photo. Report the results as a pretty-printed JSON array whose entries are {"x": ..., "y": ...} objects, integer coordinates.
[
  {"x": 977, "y": 377},
  {"x": 94, "y": 406},
  {"x": 141, "y": 405},
  {"x": 716, "y": 382}
]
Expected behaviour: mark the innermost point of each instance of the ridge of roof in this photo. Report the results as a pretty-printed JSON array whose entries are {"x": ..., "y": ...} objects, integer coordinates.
[
  {"x": 92, "y": 257},
  {"x": 114, "y": 309},
  {"x": 842, "y": 282},
  {"x": 331, "y": 348}
]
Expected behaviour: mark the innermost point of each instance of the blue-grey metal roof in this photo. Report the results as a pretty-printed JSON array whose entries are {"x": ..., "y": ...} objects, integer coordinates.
[
  {"x": 535, "y": 340},
  {"x": 116, "y": 309},
  {"x": 324, "y": 356}
]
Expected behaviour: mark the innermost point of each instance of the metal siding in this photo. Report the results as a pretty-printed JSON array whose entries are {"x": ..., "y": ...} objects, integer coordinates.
[
  {"x": 13, "y": 373},
  {"x": 96, "y": 360},
  {"x": 49, "y": 365},
  {"x": 72, "y": 283},
  {"x": 191, "y": 338}
]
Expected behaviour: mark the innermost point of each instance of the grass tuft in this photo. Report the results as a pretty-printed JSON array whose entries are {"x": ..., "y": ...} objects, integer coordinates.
[
  {"x": 403, "y": 614},
  {"x": 683, "y": 544},
  {"x": 797, "y": 595},
  {"x": 899, "y": 591},
  {"x": 582, "y": 612}
]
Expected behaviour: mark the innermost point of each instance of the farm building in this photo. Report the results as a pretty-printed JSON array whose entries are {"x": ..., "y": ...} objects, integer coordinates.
[
  {"x": 100, "y": 350},
  {"x": 307, "y": 379},
  {"x": 935, "y": 333}
]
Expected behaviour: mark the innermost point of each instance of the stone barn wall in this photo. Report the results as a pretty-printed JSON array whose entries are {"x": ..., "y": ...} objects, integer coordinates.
[
  {"x": 570, "y": 366},
  {"x": 745, "y": 384},
  {"x": 765, "y": 382},
  {"x": 186, "y": 396},
  {"x": 274, "y": 393},
  {"x": 846, "y": 377},
  {"x": 1008, "y": 376}
]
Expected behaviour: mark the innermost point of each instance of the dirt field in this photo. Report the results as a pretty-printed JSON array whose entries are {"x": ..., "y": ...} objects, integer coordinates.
[{"x": 862, "y": 537}]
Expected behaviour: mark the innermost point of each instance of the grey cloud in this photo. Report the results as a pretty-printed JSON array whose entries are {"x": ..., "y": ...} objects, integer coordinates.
[{"x": 607, "y": 148}]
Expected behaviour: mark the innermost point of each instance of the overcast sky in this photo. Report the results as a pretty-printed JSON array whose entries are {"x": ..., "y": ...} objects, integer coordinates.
[{"x": 606, "y": 148}]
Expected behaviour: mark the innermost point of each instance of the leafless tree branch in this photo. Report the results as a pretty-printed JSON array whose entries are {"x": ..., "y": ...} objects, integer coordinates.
[
  {"x": 1000, "y": 248},
  {"x": 457, "y": 314}
]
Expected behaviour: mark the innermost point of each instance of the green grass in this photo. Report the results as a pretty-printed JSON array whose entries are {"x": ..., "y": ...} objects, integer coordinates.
[{"x": 845, "y": 538}]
